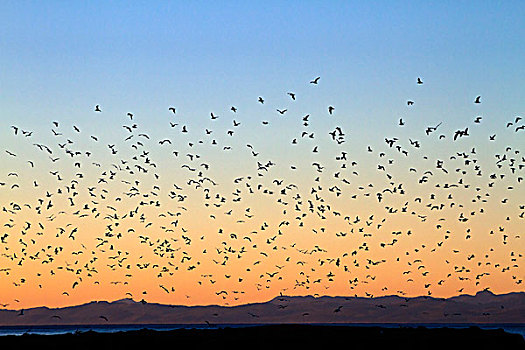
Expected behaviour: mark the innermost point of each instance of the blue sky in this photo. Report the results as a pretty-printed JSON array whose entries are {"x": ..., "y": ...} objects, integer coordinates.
[
  {"x": 121, "y": 51},
  {"x": 59, "y": 59}
]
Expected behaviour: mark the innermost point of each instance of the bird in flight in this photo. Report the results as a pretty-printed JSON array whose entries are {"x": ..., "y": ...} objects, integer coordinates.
[
  {"x": 460, "y": 133},
  {"x": 477, "y": 100},
  {"x": 97, "y": 108},
  {"x": 431, "y": 129},
  {"x": 172, "y": 110},
  {"x": 419, "y": 81},
  {"x": 315, "y": 81}
]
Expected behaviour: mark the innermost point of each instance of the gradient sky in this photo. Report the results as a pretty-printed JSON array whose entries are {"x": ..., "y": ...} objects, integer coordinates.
[{"x": 58, "y": 60}]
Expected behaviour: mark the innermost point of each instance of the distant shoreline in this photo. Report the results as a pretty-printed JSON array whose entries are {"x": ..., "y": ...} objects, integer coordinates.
[{"x": 481, "y": 309}]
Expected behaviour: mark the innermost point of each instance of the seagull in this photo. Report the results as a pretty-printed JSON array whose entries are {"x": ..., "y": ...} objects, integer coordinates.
[
  {"x": 419, "y": 81},
  {"x": 315, "y": 80},
  {"x": 97, "y": 108},
  {"x": 477, "y": 100},
  {"x": 172, "y": 109}
]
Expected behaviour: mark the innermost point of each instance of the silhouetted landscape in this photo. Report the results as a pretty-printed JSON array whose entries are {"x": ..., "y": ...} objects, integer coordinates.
[{"x": 484, "y": 307}]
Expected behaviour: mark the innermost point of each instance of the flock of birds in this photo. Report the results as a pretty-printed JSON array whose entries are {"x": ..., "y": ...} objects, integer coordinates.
[{"x": 148, "y": 215}]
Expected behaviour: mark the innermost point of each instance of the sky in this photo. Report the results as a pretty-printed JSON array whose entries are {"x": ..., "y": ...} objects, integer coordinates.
[{"x": 59, "y": 60}]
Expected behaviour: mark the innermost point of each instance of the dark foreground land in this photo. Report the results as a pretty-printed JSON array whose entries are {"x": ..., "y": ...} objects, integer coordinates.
[{"x": 275, "y": 337}]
